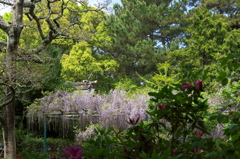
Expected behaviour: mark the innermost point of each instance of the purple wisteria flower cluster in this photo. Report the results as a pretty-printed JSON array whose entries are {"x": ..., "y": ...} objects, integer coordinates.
[
  {"x": 118, "y": 107},
  {"x": 112, "y": 109}
]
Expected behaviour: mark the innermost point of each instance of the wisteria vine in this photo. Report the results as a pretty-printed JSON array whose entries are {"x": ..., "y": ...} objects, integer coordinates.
[{"x": 108, "y": 110}]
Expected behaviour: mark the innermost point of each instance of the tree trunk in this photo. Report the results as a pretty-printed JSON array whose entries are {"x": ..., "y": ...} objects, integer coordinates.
[
  {"x": 8, "y": 122},
  {"x": 8, "y": 128}
]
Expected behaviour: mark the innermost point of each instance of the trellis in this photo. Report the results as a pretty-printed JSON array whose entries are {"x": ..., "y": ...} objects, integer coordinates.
[
  {"x": 112, "y": 109},
  {"x": 86, "y": 87}
]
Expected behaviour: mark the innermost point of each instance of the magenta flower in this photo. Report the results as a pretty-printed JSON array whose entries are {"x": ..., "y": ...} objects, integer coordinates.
[
  {"x": 72, "y": 152},
  {"x": 199, "y": 133},
  {"x": 197, "y": 150},
  {"x": 199, "y": 86},
  {"x": 133, "y": 122},
  {"x": 161, "y": 106},
  {"x": 187, "y": 86}
]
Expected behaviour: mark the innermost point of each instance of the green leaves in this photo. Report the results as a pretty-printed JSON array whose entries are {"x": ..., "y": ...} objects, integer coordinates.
[
  {"x": 81, "y": 63},
  {"x": 224, "y": 81},
  {"x": 221, "y": 118},
  {"x": 222, "y": 77},
  {"x": 164, "y": 155},
  {"x": 232, "y": 64},
  {"x": 142, "y": 32},
  {"x": 210, "y": 45},
  {"x": 184, "y": 111}
]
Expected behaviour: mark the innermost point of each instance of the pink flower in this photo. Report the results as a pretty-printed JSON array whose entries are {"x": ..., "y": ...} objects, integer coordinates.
[
  {"x": 161, "y": 106},
  {"x": 197, "y": 150},
  {"x": 187, "y": 86},
  {"x": 199, "y": 133},
  {"x": 199, "y": 86},
  {"x": 133, "y": 122}
]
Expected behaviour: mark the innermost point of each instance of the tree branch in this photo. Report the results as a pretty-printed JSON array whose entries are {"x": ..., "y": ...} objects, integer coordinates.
[
  {"x": 52, "y": 18},
  {"x": 37, "y": 20},
  {"x": 28, "y": 4},
  {"x": 12, "y": 97},
  {"x": 29, "y": 57},
  {"x": 80, "y": 11},
  {"x": 47, "y": 41},
  {"x": 4, "y": 25},
  {"x": 6, "y": 3}
]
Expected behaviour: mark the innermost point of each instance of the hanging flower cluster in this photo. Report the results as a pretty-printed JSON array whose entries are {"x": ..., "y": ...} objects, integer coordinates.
[{"x": 108, "y": 110}]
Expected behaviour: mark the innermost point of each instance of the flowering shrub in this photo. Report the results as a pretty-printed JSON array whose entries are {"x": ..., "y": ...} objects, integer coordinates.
[
  {"x": 175, "y": 127},
  {"x": 108, "y": 110},
  {"x": 175, "y": 117}
]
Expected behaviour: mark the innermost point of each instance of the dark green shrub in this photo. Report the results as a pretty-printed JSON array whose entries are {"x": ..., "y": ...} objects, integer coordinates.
[{"x": 35, "y": 145}]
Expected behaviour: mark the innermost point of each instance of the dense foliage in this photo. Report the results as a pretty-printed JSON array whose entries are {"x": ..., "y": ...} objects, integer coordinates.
[
  {"x": 180, "y": 126},
  {"x": 186, "y": 52}
]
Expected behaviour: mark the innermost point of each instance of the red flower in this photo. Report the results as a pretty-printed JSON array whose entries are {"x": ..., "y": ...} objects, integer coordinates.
[
  {"x": 199, "y": 133},
  {"x": 199, "y": 86},
  {"x": 187, "y": 86},
  {"x": 197, "y": 150},
  {"x": 161, "y": 106},
  {"x": 133, "y": 122}
]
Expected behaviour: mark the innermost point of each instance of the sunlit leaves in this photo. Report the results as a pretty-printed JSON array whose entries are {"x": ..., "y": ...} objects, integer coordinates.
[
  {"x": 167, "y": 74},
  {"x": 7, "y": 17},
  {"x": 81, "y": 63}
]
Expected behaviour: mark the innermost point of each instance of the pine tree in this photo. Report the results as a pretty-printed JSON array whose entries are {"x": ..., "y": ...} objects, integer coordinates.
[{"x": 141, "y": 30}]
